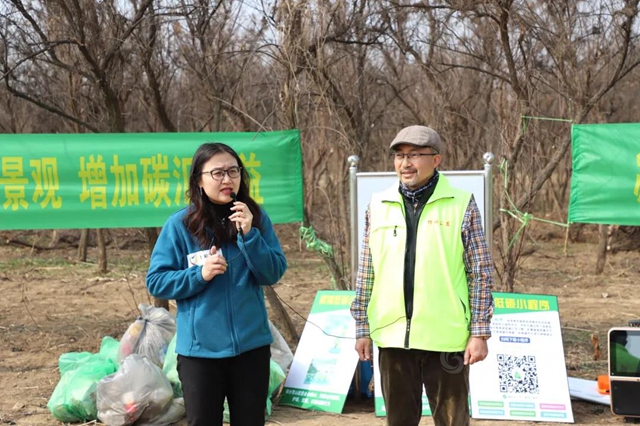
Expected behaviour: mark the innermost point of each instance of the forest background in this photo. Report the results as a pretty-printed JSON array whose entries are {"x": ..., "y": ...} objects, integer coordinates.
[{"x": 501, "y": 76}]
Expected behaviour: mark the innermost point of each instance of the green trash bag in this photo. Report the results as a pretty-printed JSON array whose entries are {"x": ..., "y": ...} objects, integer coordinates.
[
  {"x": 74, "y": 398},
  {"x": 276, "y": 377},
  {"x": 170, "y": 368},
  {"x": 72, "y": 360},
  {"x": 109, "y": 349}
]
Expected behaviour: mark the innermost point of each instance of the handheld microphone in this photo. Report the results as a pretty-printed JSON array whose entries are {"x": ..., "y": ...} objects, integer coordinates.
[{"x": 234, "y": 197}]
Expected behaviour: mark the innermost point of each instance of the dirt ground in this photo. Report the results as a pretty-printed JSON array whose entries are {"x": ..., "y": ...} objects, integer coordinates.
[{"x": 51, "y": 304}]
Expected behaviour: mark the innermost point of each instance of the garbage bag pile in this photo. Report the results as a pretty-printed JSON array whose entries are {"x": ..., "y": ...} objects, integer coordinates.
[{"x": 135, "y": 381}]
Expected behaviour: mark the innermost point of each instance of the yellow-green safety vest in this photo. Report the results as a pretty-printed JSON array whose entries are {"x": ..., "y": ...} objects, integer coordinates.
[{"x": 441, "y": 315}]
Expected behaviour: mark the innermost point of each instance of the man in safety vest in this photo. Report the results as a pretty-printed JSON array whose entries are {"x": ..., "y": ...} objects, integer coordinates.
[{"x": 423, "y": 287}]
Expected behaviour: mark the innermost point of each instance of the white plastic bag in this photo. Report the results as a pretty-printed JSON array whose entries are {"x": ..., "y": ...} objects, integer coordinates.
[
  {"x": 280, "y": 351},
  {"x": 149, "y": 335},
  {"x": 139, "y": 391}
]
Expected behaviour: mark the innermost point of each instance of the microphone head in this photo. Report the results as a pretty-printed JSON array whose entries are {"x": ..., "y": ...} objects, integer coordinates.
[{"x": 233, "y": 196}]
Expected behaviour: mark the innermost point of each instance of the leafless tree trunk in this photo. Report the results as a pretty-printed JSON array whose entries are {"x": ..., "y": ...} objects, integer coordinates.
[
  {"x": 603, "y": 233},
  {"x": 102, "y": 251},
  {"x": 82, "y": 245}
]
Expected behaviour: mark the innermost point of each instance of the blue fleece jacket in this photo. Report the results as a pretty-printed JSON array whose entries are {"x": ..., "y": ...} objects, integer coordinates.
[{"x": 226, "y": 316}]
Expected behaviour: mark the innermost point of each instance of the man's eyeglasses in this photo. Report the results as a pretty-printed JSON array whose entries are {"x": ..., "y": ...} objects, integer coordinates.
[
  {"x": 218, "y": 174},
  {"x": 412, "y": 156}
]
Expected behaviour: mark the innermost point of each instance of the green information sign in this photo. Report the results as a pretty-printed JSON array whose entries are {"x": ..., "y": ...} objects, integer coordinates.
[
  {"x": 55, "y": 181},
  {"x": 325, "y": 360}
]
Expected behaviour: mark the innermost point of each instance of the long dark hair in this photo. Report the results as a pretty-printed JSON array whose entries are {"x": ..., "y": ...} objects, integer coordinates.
[{"x": 205, "y": 220}]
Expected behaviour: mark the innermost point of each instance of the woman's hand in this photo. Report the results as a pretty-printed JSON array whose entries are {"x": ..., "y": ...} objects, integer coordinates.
[
  {"x": 242, "y": 217},
  {"x": 213, "y": 265}
]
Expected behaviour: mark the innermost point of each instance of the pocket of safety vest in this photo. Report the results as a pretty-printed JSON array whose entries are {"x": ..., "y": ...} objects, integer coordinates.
[
  {"x": 464, "y": 310},
  {"x": 389, "y": 230}
]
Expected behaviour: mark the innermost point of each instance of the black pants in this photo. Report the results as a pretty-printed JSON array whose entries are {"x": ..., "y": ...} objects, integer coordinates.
[
  {"x": 243, "y": 380},
  {"x": 444, "y": 376}
]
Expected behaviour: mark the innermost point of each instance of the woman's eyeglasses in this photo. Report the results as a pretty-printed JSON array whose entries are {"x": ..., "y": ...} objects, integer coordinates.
[{"x": 218, "y": 174}]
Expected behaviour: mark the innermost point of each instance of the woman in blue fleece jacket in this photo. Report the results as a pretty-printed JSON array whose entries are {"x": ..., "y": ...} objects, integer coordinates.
[{"x": 213, "y": 257}]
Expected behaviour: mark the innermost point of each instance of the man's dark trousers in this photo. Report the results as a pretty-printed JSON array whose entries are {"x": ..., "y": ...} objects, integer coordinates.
[{"x": 445, "y": 378}]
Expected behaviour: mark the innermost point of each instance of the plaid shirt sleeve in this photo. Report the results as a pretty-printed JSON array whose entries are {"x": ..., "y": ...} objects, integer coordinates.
[
  {"x": 479, "y": 268},
  {"x": 364, "y": 283}
]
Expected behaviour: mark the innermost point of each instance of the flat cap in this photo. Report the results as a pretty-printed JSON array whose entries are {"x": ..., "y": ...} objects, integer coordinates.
[{"x": 419, "y": 136}]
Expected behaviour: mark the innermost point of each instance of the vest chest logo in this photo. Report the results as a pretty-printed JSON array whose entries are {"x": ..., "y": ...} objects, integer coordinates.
[{"x": 438, "y": 222}]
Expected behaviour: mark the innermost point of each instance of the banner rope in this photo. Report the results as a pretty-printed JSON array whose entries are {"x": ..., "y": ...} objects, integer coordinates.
[
  {"x": 529, "y": 117},
  {"x": 523, "y": 217},
  {"x": 308, "y": 235}
]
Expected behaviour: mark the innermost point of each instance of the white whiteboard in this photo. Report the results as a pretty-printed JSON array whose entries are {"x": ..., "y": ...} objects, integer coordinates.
[{"x": 369, "y": 183}]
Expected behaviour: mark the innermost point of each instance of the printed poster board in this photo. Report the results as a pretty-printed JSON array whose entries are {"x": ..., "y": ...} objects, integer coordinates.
[
  {"x": 524, "y": 377},
  {"x": 587, "y": 390},
  {"x": 325, "y": 360}
]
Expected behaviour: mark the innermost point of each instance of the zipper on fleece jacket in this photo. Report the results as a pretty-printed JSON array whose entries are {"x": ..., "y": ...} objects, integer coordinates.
[{"x": 234, "y": 335}]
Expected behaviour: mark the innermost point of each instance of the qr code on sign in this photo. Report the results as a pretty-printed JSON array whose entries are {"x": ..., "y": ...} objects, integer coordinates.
[{"x": 518, "y": 374}]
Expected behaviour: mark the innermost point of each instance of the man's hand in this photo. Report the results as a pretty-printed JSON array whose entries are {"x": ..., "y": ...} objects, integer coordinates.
[
  {"x": 476, "y": 351},
  {"x": 363, "y": 347}
]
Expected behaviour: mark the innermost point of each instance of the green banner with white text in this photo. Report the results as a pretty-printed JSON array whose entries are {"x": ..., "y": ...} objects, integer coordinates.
[
  {"x": 124, "y": 180},
  {"x": 605, "y": 180}
]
